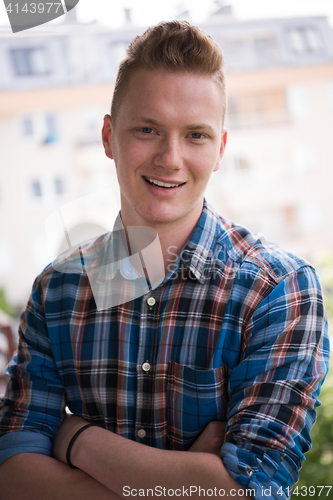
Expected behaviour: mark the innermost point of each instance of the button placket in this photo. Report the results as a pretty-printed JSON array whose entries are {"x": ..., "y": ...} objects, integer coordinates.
[{"x": 145, "y": 360}]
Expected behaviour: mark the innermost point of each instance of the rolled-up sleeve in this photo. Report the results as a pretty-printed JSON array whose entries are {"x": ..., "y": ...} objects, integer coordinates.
[
  {"x": 34, "y": 402},
  {"x": 276, "y": 385},
  {"x": 14, "y": 443}
]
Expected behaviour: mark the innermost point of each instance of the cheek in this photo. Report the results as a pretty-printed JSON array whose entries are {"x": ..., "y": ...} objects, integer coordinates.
[
  {"x": 204, "y": 172},
  {"x": 212, "y": 160},
  {"x": 204, "y": 165}
]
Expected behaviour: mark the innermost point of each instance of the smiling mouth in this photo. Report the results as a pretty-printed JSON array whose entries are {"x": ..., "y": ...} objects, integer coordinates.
[{"x": 161, "y": 184}]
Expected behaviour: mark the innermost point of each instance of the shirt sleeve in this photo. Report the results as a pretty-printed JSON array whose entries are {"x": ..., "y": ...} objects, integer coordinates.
[
  {"x": 34, "y": 402},
  {"x": 14, "y": 443},
  {"x": 275, "y": 387}
]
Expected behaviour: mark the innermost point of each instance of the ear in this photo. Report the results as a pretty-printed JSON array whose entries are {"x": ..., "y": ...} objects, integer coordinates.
[
  {"x": 222, "y": 148},
  {"x": 106, "y": 136}
]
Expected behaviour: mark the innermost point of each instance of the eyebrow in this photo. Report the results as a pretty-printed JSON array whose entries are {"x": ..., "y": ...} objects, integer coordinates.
[
  {"x": 146, "y": 119},
  {"x": 195, "y": 126}
]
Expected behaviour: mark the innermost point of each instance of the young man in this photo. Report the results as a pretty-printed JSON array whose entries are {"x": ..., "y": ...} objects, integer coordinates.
[{"x": 207, "y": 383}]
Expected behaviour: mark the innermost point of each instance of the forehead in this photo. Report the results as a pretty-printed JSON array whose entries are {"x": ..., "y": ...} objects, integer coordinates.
[{"x": 172, "y": 93}]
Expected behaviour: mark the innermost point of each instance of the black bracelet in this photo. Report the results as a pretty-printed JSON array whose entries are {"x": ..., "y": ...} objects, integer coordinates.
[{"x": 72, "y": 441}]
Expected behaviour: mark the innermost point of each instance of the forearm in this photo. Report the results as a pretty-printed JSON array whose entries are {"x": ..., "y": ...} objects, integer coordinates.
[
  {"x": 117, "y": 462},
  {"x": 38, "y": 477}
]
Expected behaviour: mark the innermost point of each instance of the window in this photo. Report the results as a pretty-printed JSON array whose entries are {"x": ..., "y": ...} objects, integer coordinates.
[
  {"x": 117, "y": 53},
  {"x": 313, "y": 39},
  {"x": 299, "y": 100},
  {"x": 51, "y": 129},
  {"x": 305, "y": 40},
  {"x": 235, "y": 48},
  {"x": 266, "y": 50},
  {"x": 236, "y": 164},
  {"x": 330, "y": 93},
  {"x": 27, "y": 126},
  {"x": 238, "y": 53},
  {"x": 30, "y": 61},
  {"x": 90, "y": 133},
  {"x": 233, "y": 113},
  {"x": 39, "y": 128},
  {"x": 296, "y": 40},
  {"x": 267, "y": 107},
  {"x": 58, "y": 186},
  {"x": 36, "y": 189}
]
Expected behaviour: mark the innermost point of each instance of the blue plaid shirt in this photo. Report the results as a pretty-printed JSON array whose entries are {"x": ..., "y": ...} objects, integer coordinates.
[{"x": 236, "y": 331}]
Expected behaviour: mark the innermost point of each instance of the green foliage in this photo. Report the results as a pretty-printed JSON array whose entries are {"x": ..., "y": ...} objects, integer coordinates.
[
  {"x": 318, "y": 466},
  {"x": 4, "y": 305},
  {"x": 317, "y": 469},
  {"x": 325, "y": 272}
]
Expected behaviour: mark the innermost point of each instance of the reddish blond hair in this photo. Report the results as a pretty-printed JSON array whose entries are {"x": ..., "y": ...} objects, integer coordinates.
[{"x": 173, "y": 46}]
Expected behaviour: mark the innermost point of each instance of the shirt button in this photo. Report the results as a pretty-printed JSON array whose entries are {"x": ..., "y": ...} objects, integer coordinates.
[
  {"x": 248, "y": 470},
  {"x": 151, "y": 301},
  {"x": 146, "y": 366},
  {"x": 141, "y": 433}
]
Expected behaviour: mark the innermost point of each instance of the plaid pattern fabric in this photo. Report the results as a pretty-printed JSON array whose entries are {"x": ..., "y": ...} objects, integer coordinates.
[{"x": 237, "y": 332}]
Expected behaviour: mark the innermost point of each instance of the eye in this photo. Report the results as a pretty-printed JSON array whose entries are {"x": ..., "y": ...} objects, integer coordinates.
[
  {"x": 196, "y": 135},
  {"x": 146, "y": 130}
]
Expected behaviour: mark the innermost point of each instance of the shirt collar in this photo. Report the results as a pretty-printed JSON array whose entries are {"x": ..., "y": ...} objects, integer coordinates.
[
  {"x": 197, "y": 253},
  {"x": 115, "y": 256}
]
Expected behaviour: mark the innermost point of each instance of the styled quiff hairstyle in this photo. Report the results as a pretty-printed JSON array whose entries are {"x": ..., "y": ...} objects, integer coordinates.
[{"x": 173, "y": 46}]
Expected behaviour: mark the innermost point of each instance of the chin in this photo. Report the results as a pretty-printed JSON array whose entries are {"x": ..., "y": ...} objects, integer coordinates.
[
  {"x": 160, "y": 219},
  {"x": 160, "y": 216}
]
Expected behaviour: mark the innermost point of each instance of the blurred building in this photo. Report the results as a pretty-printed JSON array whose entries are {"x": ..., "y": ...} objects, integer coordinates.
[
  {"x": 7, "y": 347},
  {"x": 56, "y": 86},
  {"x": 276, "y": 176}
]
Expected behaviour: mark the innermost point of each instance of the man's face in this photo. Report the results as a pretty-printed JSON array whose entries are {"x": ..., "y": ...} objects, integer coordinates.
[{"x": 168, "y": 130}]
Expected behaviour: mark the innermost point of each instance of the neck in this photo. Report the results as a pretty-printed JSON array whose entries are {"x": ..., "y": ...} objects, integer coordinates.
[
  {"x": 172, "y": 243},
  {"x": 172, "y": 236}
]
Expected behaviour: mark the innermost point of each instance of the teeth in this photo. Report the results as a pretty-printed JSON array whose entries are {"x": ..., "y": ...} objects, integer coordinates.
[{"x": 162, "y": 184}]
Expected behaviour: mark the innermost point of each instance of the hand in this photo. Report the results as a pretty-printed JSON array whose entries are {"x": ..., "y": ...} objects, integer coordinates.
[
  {"x": 211, "y": 439},
  {"x": 64, "y": 434}
]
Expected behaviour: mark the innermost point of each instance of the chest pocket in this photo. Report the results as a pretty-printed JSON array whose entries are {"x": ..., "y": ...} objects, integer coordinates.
[{"x": 194, "y": 398}]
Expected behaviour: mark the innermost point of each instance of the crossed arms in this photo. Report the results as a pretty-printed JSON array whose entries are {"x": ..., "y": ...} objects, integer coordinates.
[
  {"x": 108, "y": 462},
  {"x": 270, "y": 412}
]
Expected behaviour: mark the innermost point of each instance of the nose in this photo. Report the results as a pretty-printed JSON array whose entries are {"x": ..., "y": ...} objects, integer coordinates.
[{"x": 169, "y": 154}]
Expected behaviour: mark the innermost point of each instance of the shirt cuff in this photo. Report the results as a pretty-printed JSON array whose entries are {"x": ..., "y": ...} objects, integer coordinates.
[
  {"x": 262, "y": 475},
  {"x": 17, "y": 442}
]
